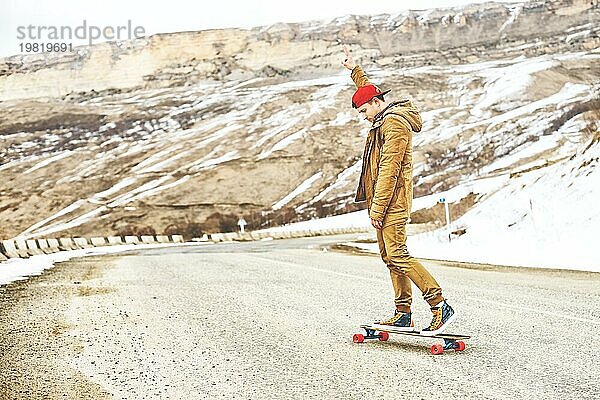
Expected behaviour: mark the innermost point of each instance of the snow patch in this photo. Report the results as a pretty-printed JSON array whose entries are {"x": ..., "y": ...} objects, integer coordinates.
[
  {"x": 341, "y": 180},
  {"x": 514, "y": 13},
  {"x": 282, "y": 144},
  {"x": 300, "y": 189},
  {"x": 231, "y": 155},
  {"x": 49, "y": 161}
]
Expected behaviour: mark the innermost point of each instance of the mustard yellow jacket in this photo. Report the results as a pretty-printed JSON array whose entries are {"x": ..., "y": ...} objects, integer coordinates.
[{"x": 386, "y": 177}]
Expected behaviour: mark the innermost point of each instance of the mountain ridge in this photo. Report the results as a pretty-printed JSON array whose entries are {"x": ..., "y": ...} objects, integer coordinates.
[{"x": 182, "y": 129}]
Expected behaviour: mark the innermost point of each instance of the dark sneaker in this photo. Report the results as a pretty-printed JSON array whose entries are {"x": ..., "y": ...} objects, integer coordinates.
[
  {"x": 401, "y": 321},
  {"x": 442, "y": 317}
]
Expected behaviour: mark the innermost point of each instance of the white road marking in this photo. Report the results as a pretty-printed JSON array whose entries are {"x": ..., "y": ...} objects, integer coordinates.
[
  {"x": 496, "y": 303},
  {"x": 533, "y": 310},
  {"x": 363, "y": 278},
  {"x": 296, "y": 265}
]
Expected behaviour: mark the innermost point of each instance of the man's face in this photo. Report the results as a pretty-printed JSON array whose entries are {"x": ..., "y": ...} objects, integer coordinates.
[{"x": 369, "y": 110}]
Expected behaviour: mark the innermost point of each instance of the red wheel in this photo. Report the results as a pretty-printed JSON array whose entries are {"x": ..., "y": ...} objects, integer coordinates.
[
  {"x": 383, "y": 336},
  {"x": 460, "y": 346},
  {"x": 358, "y": 338},
  {"x": 437, "y": 349}
]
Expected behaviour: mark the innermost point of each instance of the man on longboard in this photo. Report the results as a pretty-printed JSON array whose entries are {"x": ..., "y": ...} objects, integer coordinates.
[{"x": 386, "y": 185}]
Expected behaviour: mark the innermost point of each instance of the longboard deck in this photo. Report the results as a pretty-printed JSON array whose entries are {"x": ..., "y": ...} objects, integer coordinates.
[
  {"x": 390, "y": 329},
  {"x": 451, "y": 341}
]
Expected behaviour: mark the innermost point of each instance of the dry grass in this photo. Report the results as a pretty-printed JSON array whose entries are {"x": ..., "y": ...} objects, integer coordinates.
[
  {"x": 136, "y": 230},
  {"x": 590, "y": 110},
  {"x": 437, "y": 214},
  {"x": 592, "y": 119},
  {"x": 92, "y": 291},
  {"x": 60, "y": 328}
]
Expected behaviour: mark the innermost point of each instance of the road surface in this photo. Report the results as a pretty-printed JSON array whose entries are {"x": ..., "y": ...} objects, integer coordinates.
[{"x": 275, "y": 319}]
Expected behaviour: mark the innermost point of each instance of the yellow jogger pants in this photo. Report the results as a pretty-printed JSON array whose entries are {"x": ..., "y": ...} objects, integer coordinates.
[{"x": 404, "y": 268}]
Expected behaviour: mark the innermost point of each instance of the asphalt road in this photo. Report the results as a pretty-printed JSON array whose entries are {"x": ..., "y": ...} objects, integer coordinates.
[{"x": 275, "y": 319}]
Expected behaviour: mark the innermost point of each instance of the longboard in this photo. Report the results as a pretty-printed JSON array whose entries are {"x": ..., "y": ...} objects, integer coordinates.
[{"x": 451, "y": 341}]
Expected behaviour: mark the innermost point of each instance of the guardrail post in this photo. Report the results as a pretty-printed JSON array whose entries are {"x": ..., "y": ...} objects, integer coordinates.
[
  {"x": 147, "y": 239},
  {"x": 32, "y": 247},
  {"x": 132, "y": 240},
  {"x": 177, "y": 239}
]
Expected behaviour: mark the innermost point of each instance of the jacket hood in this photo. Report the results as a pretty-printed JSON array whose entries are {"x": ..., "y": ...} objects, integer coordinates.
[{"x": 404, "y": 109}]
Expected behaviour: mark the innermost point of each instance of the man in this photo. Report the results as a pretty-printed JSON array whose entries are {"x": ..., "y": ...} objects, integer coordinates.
[{"x": 386, "y": 185}]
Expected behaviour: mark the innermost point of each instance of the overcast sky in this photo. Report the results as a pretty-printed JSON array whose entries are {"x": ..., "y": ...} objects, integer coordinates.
[{"x": 157, "y": 16}]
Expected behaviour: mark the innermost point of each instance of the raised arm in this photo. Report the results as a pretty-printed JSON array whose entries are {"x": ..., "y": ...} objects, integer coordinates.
[{"x": 358, "y": 75}]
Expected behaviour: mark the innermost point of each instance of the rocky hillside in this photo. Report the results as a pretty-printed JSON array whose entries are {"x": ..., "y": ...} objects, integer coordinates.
[{"x": 189, "y": 131}]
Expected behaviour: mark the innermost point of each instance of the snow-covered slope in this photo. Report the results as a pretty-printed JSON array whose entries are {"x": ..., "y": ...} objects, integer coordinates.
[{"x": 548, "y": 217}]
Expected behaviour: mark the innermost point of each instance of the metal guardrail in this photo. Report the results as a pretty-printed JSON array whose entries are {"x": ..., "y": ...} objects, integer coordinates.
[
  {"x": 21, "y": 248},
  {"x": 237, "y": 236}
]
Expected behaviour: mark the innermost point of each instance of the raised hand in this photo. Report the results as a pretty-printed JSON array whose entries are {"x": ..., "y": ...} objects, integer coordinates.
[{"x": 348, "y": 61}]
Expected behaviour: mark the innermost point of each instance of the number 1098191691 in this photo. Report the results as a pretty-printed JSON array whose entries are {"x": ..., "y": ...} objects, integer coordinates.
[{"x": 45, "y": 47}]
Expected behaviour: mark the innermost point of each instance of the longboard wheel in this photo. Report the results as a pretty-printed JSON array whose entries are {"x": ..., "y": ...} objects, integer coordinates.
[
  {"x": 383, "y": 336},
  {"x": 358, "y": 338},
  {"x": 460, "y": 345},
  {"x": 437, "y": 349}
]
